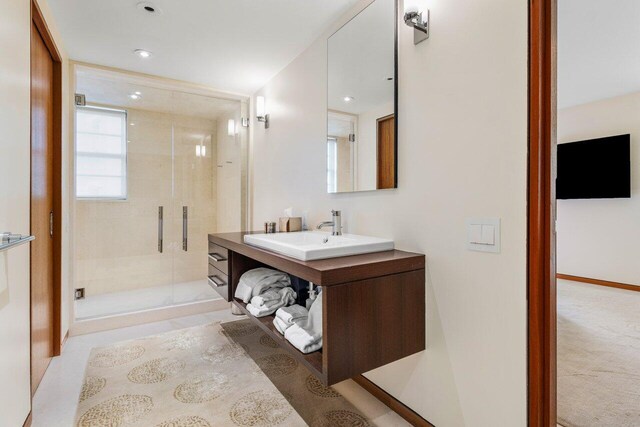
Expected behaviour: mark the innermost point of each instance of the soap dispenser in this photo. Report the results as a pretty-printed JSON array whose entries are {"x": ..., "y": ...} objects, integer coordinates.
[{"x": 312, "y": 296}]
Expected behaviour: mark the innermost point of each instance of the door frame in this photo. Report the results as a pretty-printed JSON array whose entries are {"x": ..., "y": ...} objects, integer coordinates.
[
  {"x": 37, "y": 18},
  {"x": 541, "y": 245}
]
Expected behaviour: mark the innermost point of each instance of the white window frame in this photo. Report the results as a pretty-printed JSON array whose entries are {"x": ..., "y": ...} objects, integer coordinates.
[{"x": 123, "y": 157}]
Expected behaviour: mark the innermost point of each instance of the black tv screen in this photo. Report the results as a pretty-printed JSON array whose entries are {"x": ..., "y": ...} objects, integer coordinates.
[{"x": 595, "y": 169}]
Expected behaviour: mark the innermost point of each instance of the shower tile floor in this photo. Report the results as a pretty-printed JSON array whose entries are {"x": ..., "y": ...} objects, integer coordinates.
[{"x": 144, "y": 299}]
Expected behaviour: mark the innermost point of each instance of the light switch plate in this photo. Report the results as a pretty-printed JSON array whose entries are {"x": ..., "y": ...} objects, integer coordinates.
[{"x": 483, "y": 234}]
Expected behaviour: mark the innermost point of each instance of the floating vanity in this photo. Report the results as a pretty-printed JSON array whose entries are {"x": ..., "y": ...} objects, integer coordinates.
[{"x": 373, "y": 304}]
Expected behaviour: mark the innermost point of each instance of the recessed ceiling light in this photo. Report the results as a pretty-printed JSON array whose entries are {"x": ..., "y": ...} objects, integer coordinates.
[
  {"x": 142, "y": 53},
  {"x": 138, "y": 92},
  {"x": 348, "y": 98},
  {"x": 134, "y": 96}
]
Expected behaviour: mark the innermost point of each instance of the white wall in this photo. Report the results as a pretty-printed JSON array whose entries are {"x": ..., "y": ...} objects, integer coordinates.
[
  {"x": 14, "y": 210},
  {"x": 462, "y": 153},
  {"x": 15, "y": 21},
  {"x": 599, "y": 238}
]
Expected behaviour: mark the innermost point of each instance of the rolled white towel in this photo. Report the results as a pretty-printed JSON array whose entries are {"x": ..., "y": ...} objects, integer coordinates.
[
  {"x": 292, "y": 313},
  {"x": 280, "y": 325},
  {"x": 269, "y": 298},
  {"x": 287, "y": 296}
]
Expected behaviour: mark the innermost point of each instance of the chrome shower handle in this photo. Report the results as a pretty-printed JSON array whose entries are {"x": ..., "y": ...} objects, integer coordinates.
[
  {"x": 160, "y": 227},
  {"x": 185, "y": 228}
]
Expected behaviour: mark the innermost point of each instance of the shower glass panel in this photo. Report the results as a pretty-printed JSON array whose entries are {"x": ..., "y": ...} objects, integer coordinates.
[{"x": 183, "y": 181}]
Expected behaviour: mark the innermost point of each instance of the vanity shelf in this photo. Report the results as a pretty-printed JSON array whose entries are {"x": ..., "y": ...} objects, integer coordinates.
[{"x": 373, "y": 305}]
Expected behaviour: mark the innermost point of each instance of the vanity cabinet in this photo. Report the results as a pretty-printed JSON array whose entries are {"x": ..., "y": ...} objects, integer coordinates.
[{"x": 373, "y": 305}]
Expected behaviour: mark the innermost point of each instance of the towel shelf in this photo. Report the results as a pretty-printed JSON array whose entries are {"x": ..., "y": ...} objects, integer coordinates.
[
  {"x": 373, "y": 305},
  {"x": 8, "y": 244}
]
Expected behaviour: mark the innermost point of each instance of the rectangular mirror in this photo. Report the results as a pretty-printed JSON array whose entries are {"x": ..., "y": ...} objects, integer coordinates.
[{"x": 362, "y": 102}]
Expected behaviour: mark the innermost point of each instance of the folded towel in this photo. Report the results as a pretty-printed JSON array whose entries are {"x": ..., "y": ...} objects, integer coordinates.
[
  {"x": 292, "y": 314},
  {"x": 287, "y": 296},
  {"x": 259, "y": 280},
  {"x": 307, "y": 337},
  {"x": 302, "y": 340},
  {"x": 280, "y": 325},
  {"x": 287, "y": 316}
]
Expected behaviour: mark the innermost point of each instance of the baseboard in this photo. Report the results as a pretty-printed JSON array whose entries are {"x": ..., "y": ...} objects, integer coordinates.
[
  {"x": 599, "y": 282},
  {"x": 106, "y": 323},
  {"x": 27, "y": 422},
  {"x": 394, "y": 404},
  {"x": 64, "y": 341}
]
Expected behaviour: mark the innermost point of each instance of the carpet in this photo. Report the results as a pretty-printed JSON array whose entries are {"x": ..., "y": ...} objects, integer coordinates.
[
  {"x": 205, "y": 376},
  {"x": 598, "y": 356}
]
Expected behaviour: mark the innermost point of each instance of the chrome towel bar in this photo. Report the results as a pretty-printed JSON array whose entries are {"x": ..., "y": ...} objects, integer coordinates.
[{"x": 9, "y": 241}]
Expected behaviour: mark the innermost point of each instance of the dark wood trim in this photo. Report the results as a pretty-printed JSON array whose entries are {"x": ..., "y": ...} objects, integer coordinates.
[
  {"x": 27, "y": 422},
  {"x": 599, "y": 282},
  {"x": 541, "y": 278},
  {"x": 394, "y": 404},
  {"x": 38, "y": 19},
  {"x": 326, "y": 272},
  {"x": 47, "y": 37}
]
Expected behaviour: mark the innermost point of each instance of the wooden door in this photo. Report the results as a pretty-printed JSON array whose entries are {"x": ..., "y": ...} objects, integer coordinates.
[
  {"x": 42, "y": 207},
  {"x": 386, "y": 152}
]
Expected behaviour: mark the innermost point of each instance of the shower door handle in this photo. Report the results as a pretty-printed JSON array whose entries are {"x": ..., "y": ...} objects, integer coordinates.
[
  {"x": 185, "y": 226},
  {"x": 160, "y": 227}
]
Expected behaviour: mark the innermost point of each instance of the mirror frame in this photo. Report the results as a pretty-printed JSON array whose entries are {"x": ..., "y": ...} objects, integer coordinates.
[{"x": 395, "y": 98}]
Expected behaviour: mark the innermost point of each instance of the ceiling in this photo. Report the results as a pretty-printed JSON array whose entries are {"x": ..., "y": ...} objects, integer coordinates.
[
  {"x": 114, "y": 89},
  {"x": 361, "y": 60},
  {"x": 598, "y": 50},
  {"x": 232, "y": 45}
]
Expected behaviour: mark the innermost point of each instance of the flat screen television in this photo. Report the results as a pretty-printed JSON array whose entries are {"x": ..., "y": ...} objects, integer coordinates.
[{"x": 595, "y": 169}]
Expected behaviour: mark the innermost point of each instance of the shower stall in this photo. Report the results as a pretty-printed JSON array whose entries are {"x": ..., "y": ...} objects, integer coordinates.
[{"x": 156, "y": 170}]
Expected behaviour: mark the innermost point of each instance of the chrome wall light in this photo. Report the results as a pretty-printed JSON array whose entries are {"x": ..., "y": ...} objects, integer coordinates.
[
  {"x": 261, "y": 111},
  {"x": 420, "y": 23}
]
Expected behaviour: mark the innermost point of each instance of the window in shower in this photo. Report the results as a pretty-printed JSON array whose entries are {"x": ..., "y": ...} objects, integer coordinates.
[{"x": 101, "y": 153}]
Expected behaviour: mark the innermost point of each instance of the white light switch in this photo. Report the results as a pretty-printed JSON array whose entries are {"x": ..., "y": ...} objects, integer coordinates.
[
  {"x": 475, "y": 233},
  {"x": 483, "y": 234},
  {"x": 488, "y": 235}
]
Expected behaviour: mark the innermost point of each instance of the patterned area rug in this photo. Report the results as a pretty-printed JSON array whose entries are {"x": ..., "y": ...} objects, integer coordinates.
[{"x": 205, "y": 376}]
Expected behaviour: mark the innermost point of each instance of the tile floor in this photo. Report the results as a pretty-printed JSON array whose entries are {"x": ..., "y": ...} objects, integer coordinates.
[
  {"x": 143, "y": 299},
  {"x": 55, "y": 402}
]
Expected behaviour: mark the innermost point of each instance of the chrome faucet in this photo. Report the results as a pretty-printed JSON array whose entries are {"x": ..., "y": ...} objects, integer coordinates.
[{"x": 336, "y": 223}]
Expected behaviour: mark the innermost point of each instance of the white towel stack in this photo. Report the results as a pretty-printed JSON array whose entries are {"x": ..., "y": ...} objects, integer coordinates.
[
  {"x": 288, "y": 316},
  {"x": 307, "y": 337},
  {"x": 270, "y": 301},
  {"x": 260, "y": 280}
]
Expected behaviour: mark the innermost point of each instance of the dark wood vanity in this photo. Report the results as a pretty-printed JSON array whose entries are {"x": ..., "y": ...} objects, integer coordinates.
[{"x": 373, "y": 304}]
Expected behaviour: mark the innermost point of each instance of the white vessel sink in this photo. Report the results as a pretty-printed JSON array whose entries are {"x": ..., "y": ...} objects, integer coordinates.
[{"x": 312, "y": 245}]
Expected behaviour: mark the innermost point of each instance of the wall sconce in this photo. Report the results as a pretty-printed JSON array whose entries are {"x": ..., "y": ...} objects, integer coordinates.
[
  {"x": 414, "y": 18},
  {"x": 231, "y": 127},
  {"x": 261, "y": 113}
]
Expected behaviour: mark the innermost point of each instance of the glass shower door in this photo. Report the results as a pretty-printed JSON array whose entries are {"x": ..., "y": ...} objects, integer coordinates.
[
  {"x": 123, "y": 260},
  {"x": 194, "y": 201}
]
